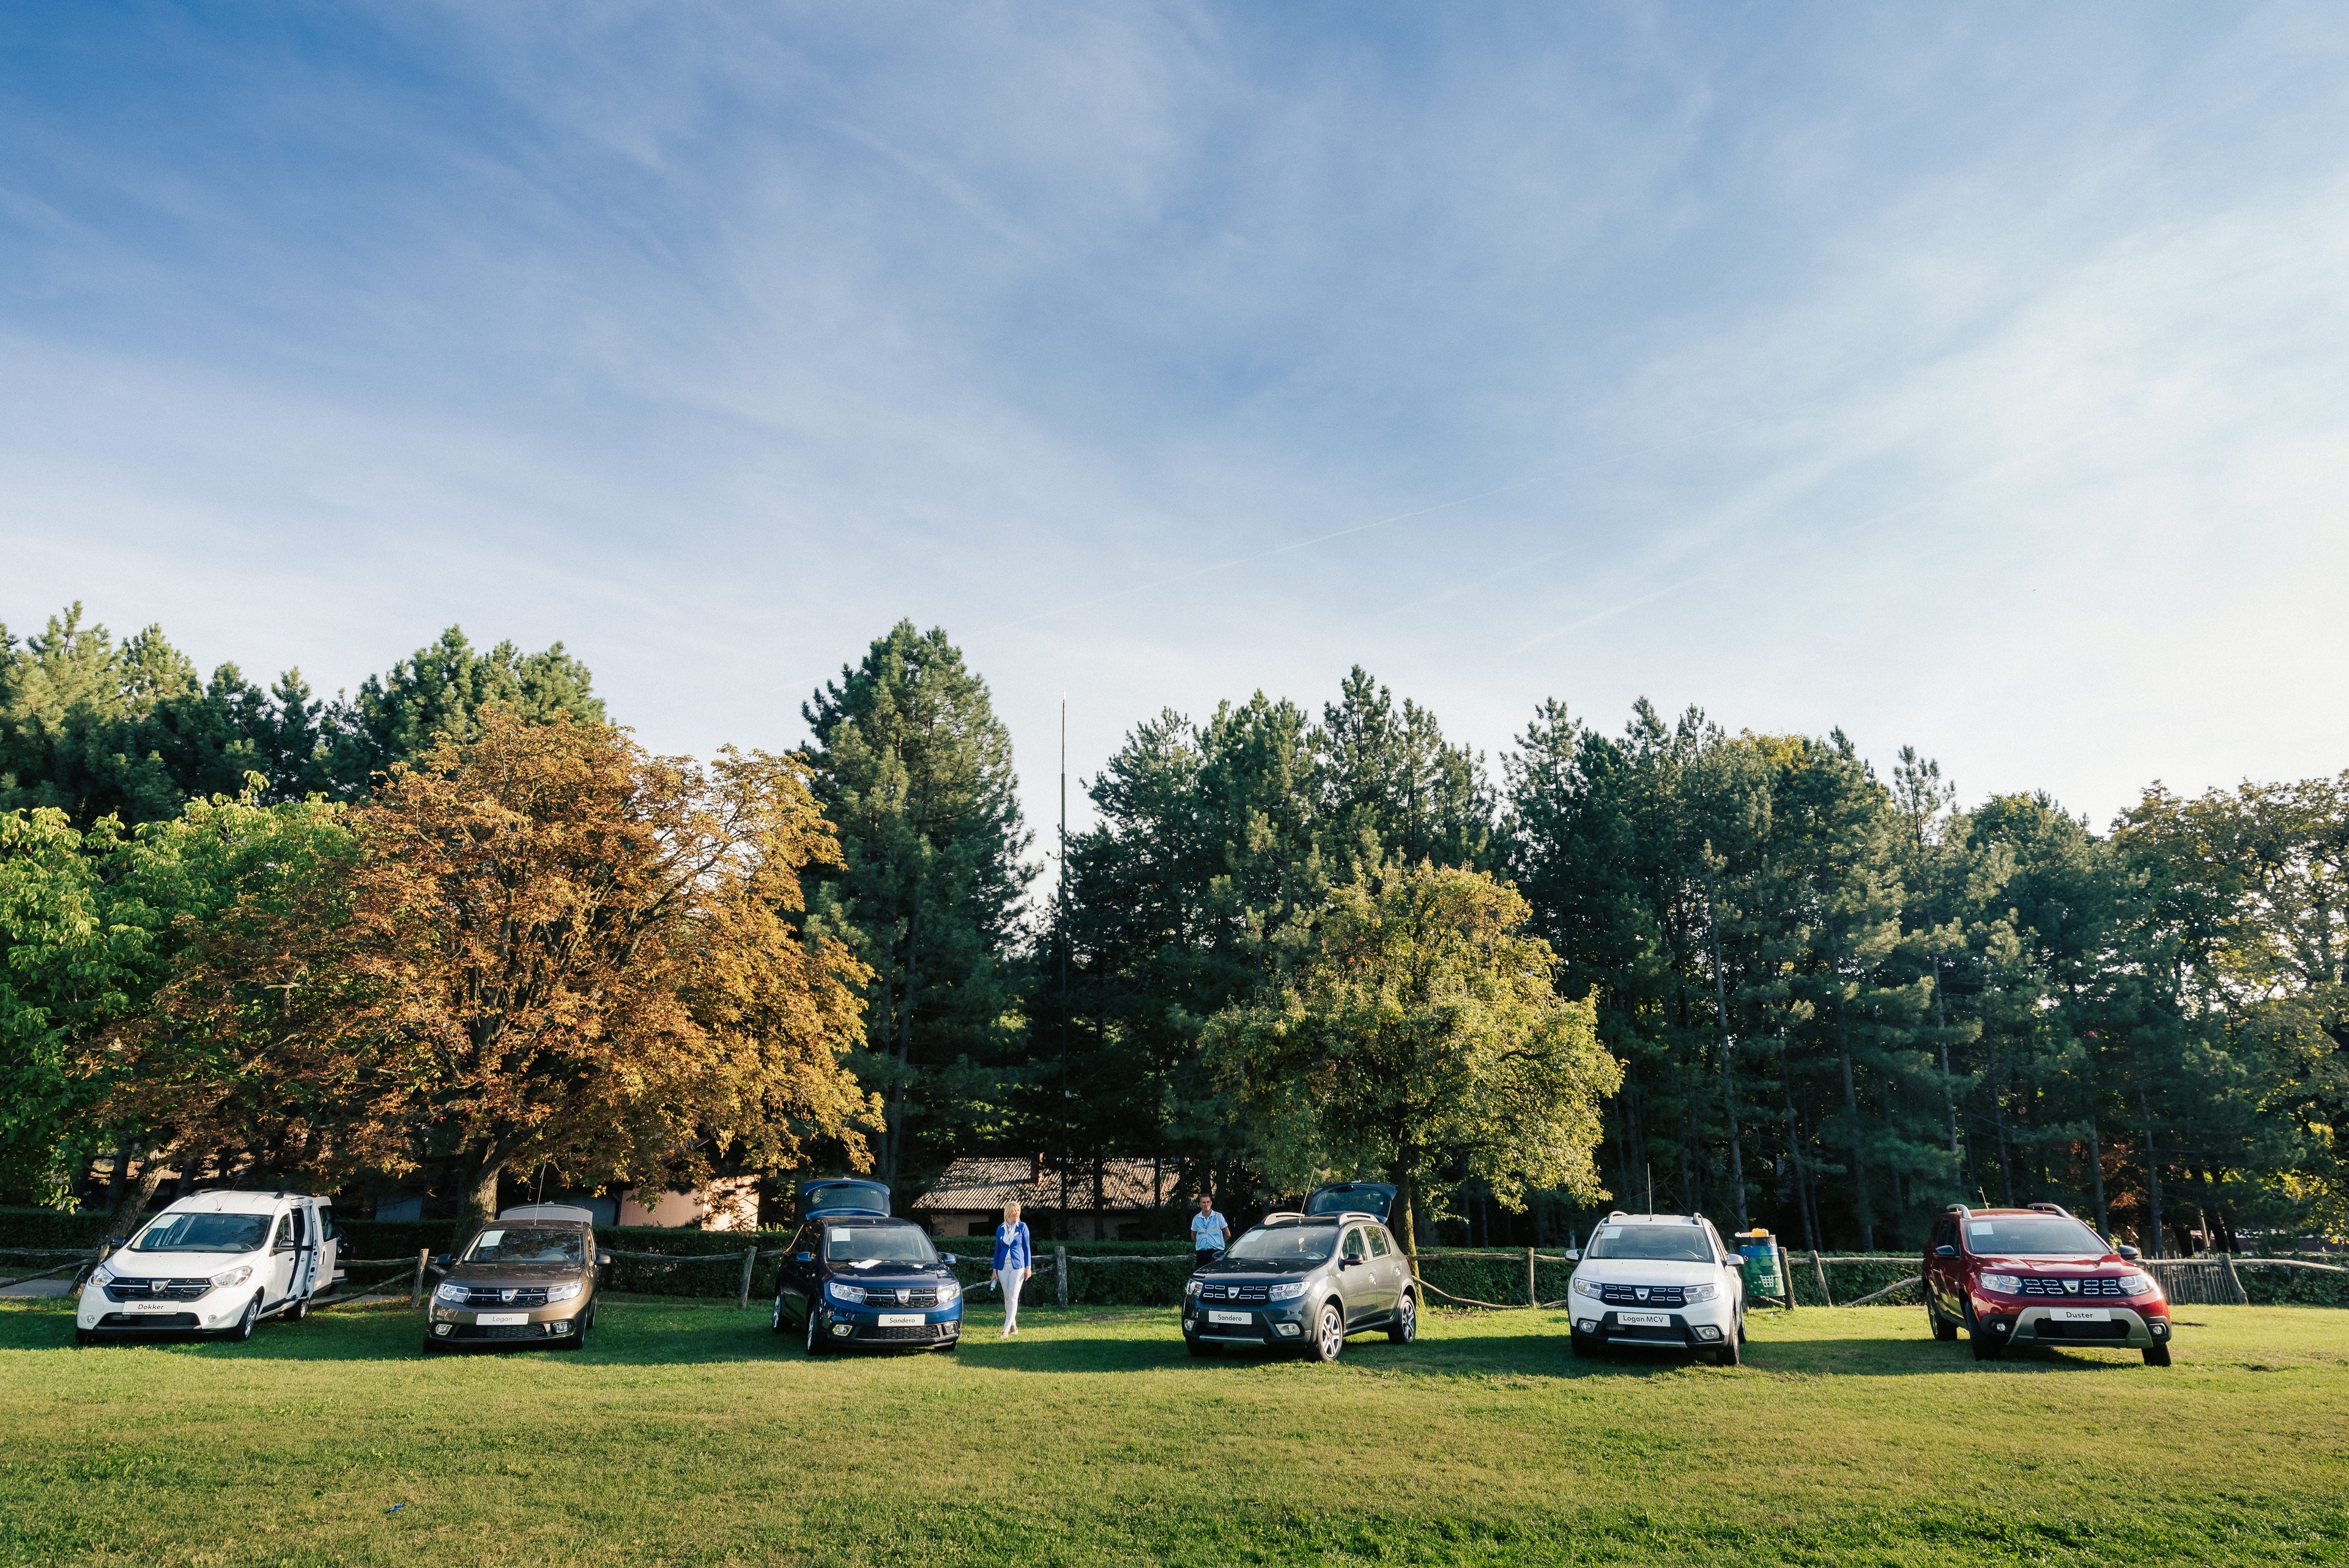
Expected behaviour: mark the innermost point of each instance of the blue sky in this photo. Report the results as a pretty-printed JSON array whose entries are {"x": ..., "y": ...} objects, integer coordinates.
[{"x": 1977, "y": 379}]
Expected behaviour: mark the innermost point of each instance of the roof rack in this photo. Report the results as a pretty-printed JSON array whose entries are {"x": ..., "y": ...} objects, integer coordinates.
[
  {"x": 2050, "y": 1209},
  {"x": 1958, "y": 1208},
  {"x": 1284, "y": 1214}
]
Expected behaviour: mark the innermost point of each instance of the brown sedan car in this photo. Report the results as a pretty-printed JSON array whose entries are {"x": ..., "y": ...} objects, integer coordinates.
[{"x": 527, "y": 1278}]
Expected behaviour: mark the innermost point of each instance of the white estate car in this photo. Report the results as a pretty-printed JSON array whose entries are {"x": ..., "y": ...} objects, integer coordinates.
[
  {"x": 1658, "y": 1282},
  {"x": 213, "y": 1263}
]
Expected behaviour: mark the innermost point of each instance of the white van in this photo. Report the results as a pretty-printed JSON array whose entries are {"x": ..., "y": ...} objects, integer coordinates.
[{"x": 215, "y": 1262}]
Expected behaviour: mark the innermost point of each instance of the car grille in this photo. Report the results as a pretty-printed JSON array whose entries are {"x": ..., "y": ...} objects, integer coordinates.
[
  {"x": 493, "y": 1295},
  {"x": 148, "y": 1320},
  {"x": 1236, "y": 1293},
  {"x": 2034, "y": 1286},
  {"x": 144, "y": 1289},
  {"x": 500, "y": 1331},
  {"x": 885, "y": 1298},
  {"x": 1641, "y": 1295},
  {"x": 917, "y": 1332},
  {"x": 2051, "y": 1330}
]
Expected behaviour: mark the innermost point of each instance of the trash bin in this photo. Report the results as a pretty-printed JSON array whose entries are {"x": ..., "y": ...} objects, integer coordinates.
[{"x": 1763, "y": 1267}]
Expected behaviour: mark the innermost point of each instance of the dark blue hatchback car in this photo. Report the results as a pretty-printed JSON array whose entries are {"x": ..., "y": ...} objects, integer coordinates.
[{"x": 856, "y": 1279}]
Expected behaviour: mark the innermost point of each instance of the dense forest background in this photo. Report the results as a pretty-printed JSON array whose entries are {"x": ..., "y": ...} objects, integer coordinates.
[{"x": 1840, "y": 1000}]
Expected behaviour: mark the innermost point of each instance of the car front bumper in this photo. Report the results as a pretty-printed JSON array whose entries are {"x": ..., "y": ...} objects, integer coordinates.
[
  {"x": 2126, "y": 1327},
  {"x": 1276, "y": 1323},
  {"x": 210, "y": 1313},
  {"x": 1704, "y": 1326},
  {"x": 447, "y": 1325},
  {"x": 863, "y": 1326}
]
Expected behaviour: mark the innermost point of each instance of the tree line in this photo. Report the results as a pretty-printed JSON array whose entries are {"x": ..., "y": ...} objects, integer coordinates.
[{"x": 1730, "y": 973}]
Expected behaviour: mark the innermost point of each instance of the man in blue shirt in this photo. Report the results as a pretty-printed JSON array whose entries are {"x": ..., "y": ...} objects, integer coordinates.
[{"x": 1208, "y": 1230}]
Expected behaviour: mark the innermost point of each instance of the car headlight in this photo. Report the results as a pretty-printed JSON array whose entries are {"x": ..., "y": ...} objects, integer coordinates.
[
  {"x": 1697, "y": 1293},
  {"x": 2136, "y": 1285},
  {"x": 555, "y": 1293},
  {"x": 1191, "y": 1287},
  {"x": 237, "y": 1275},
  {"x": 1587, "y": 1286},
  {"x": 102, "y": 1275},
  {"x": 853, "y": 1294},
  {"x": 947, "y": 1292},
  {"x": 1289, "y": 1292},
  {"x": 451, "y": 1291},
  {"x": 2003, "y": 1284}
]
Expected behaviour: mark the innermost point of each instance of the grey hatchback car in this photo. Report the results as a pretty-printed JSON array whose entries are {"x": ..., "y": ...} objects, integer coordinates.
[{"x": 1302, "y": 1282}]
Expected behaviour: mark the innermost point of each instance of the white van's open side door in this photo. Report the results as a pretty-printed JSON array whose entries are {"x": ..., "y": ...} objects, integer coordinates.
[
  {"x": 305, "y": 1217},
  {"x": 331, "y": 1274}
]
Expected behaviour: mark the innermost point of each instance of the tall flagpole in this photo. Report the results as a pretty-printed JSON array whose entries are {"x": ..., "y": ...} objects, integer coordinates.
[{"x": 1063, "y": 894}]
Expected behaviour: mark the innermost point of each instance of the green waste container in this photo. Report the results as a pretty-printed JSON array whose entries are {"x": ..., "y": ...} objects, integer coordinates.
[{"x": 1763, "y": 1267}]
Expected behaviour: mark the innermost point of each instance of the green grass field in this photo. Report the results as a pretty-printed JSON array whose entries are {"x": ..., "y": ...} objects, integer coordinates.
[{"x": 690, "y": 1434}]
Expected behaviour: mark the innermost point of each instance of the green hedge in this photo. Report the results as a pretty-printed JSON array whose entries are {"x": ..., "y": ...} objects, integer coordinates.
[
  {"x": 49, "y": 1228},
  {"x": 2296, "y": 1287}
]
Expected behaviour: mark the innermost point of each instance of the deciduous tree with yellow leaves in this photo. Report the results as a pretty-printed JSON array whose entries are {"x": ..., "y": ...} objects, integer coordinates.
[{"x": 548, "y": 946}]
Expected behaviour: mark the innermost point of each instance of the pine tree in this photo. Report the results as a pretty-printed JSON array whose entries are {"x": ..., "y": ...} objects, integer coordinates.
[{"x": 915, "y": 771}]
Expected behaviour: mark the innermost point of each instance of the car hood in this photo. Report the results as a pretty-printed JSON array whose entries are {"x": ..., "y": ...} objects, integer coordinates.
[
  {"x": 1252, "y": 1272},
  {"x": 1647, "y": 1271},
  {"x": 2073, "y": 1266},
  {"x": 513, "y": 1273},
  {"x": 892, "y": 1276},
  {"x": 157, "y": 1266}
]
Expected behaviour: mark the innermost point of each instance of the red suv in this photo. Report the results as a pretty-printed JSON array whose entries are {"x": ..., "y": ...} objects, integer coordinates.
[{"x": 2038, "y": 1276}]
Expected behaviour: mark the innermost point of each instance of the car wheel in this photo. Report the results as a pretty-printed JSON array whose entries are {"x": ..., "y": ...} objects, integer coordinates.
[
  {"x": 2156, "y": 1355},
  {"x": 1943, "y": 1329},
  {"x": 1986, "y": 1344},
  {"x": 1585, "y": 1345},
  {"x": 1200, "y": 1348},
  {"x": 780, "y": 1325},
  {"x": 298, "y": 1311},
  {"x": 85, "y": 1335},
  {"x": 815, "y": 1340},
  {"x": 1405, "y": 1326},
  {"x": 244, "y": 1329},
  {"x": 1741, "y": 1328},
  {"x": 1327, "y": 1340},
  {"x": 1727, "y": 1355},
  {"x": 575, "y": 1340}
]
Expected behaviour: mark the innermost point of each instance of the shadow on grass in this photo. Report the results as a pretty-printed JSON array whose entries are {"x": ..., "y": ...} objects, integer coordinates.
[{"x": 663, "y": 1333}]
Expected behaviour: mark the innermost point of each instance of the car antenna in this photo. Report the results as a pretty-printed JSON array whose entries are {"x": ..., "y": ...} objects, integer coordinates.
[{"x": 1652, "y": 1189}]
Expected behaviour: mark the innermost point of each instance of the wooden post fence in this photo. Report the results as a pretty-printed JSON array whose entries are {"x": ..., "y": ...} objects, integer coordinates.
[
  {"x": 1821, "y": 1270},
  {"x": 416, "y": 1291},
  {"x": 1060, "y": 1266},
  {"x": 1533, "y": 1297},
  {"x": 743, "y": 1297}
]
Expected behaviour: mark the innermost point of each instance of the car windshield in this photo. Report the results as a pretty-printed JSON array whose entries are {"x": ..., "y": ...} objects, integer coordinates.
[
  {"x": 861, "y": 1246},
  {"x": 1288, "y": 1246},
  {"x": 2035, "y": 1237},
  {"x": 1658, "y": 1243},
  {"x": 527, "y": 1245},
  {"x": 203, "y": 1233}
]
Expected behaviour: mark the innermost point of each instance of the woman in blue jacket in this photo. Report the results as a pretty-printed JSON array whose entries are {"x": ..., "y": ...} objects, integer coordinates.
[{"x": 1015, "y": 1258}]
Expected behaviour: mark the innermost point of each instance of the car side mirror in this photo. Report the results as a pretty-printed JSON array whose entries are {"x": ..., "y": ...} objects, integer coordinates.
[
  {"x": 602, "y": 1259},
  {"x": 805, "y": 1258},
  {"x": 440, "y": 1260},
  {"x": 1573, "y": 1254},
  {"x": 1945, "y": 1251},
  {"x": 2131, "y": 1253}
]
